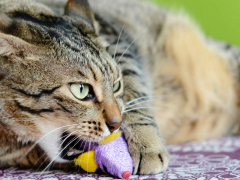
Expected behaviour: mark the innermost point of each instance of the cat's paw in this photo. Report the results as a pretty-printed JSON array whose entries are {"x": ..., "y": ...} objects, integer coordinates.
[
  {"x": 150, "y": 163},
  {"x": 145, "y": 146}
]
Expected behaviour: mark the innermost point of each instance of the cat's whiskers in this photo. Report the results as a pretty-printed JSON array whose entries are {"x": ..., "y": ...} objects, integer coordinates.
[
  {"x": 25, "y": 154},
  {"x": 144, "y": 101},
  {"x": 140, "y": 98},
  {"x": 46, "y": 153},
  {"x": 150, "y": 119},
  {"x": 130, "y": 46},
  {"x": 49, "y": 164},
  {"x": 125, "y": 127},
  {"x": 118, "y": 42},
  {"x": 42, "y": 161},
  {"x": 83, "y": 148},
  {"x": 143, "y": 107},
  {"x": 66, "y": 139},
  {"x": 74, "y": 145},
  {"x": 89, "y": 145},
  {"x": 78, "y": 137}
]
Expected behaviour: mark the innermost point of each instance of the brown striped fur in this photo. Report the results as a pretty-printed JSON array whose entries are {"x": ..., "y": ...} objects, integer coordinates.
[{"x": 185, "y": 81}]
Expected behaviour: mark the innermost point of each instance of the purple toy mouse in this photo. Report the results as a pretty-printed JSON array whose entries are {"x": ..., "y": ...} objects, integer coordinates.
[{"x": 110, "y": 155}]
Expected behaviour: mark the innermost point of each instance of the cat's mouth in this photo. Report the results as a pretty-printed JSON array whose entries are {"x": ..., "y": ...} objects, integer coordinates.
[{"x": 72, "y": 146}]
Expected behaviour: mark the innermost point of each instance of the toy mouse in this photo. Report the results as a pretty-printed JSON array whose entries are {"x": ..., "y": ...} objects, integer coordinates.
[{"x": 110, "y": 155}]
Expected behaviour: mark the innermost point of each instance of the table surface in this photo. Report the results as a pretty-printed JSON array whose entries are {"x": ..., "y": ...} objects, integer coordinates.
[{"x": 208, "y": 160}]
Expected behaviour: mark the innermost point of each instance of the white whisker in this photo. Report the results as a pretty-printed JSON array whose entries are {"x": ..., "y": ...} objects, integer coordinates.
[
  {"x": 151, "y": 120},
  {"x": 125, "y": 127},
  {"x": 78, "y": 137},
  {"x": 42, "y": 139},
  {"x": 59, "y": 153},
  {"x": 118, "y": 41},
  {"x": 66, "y": 139},
  {"x": 145, "y": 101},
  {"x": 140, "y": 98},
  {"x": 129, "y": 46},
  {"x": 88, "y": 154},
  {"x": 83, "y": 148},
  {"x": 45, "y": 153},
  {"x": 142, "y": 108}
]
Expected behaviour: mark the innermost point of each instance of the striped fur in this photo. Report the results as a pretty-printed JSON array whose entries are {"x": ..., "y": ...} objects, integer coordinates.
[
  {"x": 169, "y": 71},
  {"x": 41, "y": 53}
]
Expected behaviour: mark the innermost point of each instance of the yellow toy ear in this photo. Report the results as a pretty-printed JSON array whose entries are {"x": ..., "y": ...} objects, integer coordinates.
[
  {"x": 111, "y": 137},
  {"x": 87, "y": 162}
]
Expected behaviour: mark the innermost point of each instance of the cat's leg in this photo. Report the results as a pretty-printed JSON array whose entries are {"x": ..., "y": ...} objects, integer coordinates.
[
  {"x": 197, "y": 83},
  {"x": 141, "y": 131}
]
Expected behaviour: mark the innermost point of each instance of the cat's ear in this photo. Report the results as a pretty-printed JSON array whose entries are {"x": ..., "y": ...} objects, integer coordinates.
[
  {"x": 81, "y": 9},
  {"x": 13, "y": 47}
]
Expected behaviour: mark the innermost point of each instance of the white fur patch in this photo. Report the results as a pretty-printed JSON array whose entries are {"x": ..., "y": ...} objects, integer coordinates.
[{"x": 51, "y": 143}]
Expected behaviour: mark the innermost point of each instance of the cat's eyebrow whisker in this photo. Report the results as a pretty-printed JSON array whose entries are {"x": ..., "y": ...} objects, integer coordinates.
[
  {"x": 145, "y": 101},
  {"x": 43, "y": 138},
  {"x": 130, "y": 46},
  {"x": 120, "y": 34},
  {"x": 150, "y": 107}
]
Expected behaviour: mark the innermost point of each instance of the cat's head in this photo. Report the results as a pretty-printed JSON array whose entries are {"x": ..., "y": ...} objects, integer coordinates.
[{"x": 57, "y": 83}]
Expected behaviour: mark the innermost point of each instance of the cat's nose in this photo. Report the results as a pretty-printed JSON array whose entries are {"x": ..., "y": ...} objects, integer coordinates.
[{"x": 113, "y": 126}]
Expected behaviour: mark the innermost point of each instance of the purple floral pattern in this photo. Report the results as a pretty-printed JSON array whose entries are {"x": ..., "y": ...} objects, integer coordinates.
[{"x": 213, "y": 159}]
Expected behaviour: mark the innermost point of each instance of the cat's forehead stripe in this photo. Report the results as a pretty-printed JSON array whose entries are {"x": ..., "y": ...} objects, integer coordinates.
[
  {"x": 46, "y": 27},
  {"x": 57, "y": 32}
]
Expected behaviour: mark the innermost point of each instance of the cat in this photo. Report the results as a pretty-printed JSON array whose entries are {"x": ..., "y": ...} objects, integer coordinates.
[{"x": 77, "y": 70}]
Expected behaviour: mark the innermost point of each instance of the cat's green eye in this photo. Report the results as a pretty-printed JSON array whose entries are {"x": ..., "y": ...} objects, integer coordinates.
[
  {"x": 80, "y": 91},
  {"x": 116, "y": 86}
]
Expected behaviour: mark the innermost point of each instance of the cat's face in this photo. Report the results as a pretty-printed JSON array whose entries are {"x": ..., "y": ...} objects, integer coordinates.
[{"x": 58, "y": 85}]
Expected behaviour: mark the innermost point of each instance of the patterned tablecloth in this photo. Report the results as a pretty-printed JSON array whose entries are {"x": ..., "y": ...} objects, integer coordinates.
[{"x": 209, "y": 160}]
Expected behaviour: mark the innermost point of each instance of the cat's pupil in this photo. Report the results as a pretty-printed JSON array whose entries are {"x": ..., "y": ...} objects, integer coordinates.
[{"x": 81, "y": 87}]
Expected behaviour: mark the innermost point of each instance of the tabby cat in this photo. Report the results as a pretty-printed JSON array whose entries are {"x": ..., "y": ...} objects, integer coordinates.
[{"x": 75, "y": 74}]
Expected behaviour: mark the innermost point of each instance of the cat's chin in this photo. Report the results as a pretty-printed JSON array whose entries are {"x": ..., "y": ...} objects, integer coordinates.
[
  {"x": 70, "y": 147},
  {"x": 63, "y": 147}
]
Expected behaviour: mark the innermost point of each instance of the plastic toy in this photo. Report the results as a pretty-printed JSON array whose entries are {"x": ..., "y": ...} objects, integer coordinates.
[{"x": 110, "y": 155}]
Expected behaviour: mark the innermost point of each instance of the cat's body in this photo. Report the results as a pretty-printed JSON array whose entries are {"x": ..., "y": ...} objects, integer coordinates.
[
  {"x": 187, "y": 83},
  {"x": 195, "y": 79}
]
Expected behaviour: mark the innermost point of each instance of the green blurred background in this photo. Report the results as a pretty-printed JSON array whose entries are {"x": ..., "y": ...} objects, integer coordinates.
[{"x": 217, "y": 18}]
